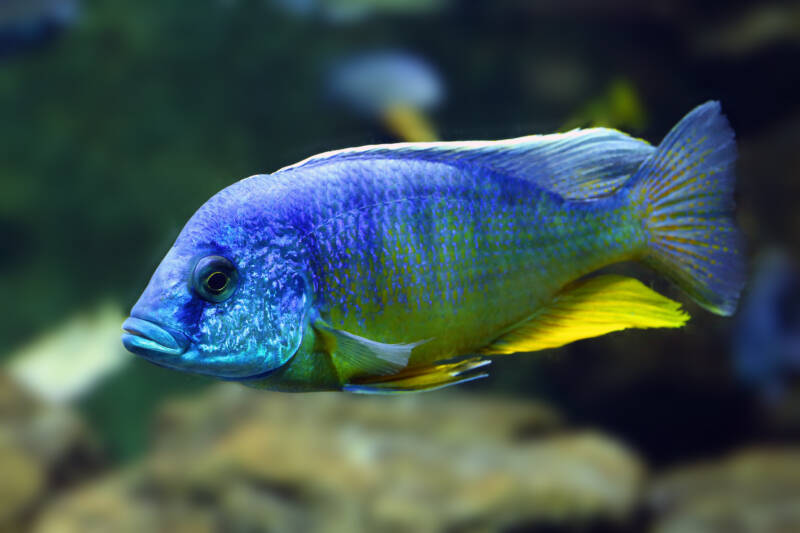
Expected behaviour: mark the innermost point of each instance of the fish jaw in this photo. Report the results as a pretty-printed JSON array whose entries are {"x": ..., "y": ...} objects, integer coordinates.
[
  {"x": 166, "y": 347},
  {"x": 151, "y": 341}
]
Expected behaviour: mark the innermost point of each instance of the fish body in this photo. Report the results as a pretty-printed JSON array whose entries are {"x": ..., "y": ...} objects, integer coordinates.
[
  {"x": 464, "y": 251},
  {"x": 364, "y": 269}
]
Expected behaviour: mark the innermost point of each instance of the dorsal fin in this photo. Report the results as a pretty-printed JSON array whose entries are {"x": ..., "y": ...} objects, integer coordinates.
[{"x": 577, "y": 165}]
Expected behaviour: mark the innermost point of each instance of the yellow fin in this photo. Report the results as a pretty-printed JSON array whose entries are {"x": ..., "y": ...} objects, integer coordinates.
[
  {"x": 409, "y": 124},
  {"x": 591, "y": 308},
  {"x": 421, "y": 378}
]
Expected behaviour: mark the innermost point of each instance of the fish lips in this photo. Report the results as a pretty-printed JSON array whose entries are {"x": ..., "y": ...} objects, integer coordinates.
[{"x": 151, "y": 340}]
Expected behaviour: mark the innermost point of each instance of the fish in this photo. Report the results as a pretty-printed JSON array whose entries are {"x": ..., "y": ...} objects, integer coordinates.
[
  {"x": 407, "y": 267},
  {"x": 27, "y": 24},
  {"x": 765, "y": 344},
  {"x": 349, "y": 12},
  {"x": 620, "y": 105},
  {"x": 393, "y": 86}
]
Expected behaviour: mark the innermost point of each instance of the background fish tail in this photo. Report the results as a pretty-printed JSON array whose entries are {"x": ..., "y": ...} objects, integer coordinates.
[{"x": 685, "y": 190}]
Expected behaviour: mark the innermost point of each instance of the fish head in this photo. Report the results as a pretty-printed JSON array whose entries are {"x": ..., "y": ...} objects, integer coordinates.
[{"x": 225, "y": 301}]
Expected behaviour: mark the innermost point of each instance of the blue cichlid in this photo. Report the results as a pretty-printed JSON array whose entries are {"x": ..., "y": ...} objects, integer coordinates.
[
  {"x": 377, "y": 269},
  {"x": 766, "y": 337},
  {"x": 26, "y": 24}
]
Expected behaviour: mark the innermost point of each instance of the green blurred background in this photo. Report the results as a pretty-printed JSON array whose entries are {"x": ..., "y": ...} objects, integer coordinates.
[{"x": 119, "y": 119}]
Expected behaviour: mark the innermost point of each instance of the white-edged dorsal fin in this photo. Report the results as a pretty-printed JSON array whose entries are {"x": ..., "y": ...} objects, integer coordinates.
[{"x": 577, "y": 165}]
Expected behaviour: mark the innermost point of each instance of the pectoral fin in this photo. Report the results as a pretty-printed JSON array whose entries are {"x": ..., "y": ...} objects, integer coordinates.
[
  {"x": 589, "y": 309},
  {"x": 358, "y": 356},
  {"x": 420, "y": 379}
]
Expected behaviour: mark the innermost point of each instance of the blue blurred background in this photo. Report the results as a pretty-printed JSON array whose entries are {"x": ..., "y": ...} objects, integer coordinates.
[{"x": 119, "y": 119}]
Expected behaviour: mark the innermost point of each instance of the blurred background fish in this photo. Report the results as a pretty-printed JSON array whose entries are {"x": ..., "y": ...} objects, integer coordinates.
[
  {"x": 394, "y": 87},
  {"x": 27, "y": 24},
  {"x": 766, "y": 341},
  {"x": 619, "y": 106},
  {"x": 347, "y": 12},
  {"x": 119, "y": 119}
]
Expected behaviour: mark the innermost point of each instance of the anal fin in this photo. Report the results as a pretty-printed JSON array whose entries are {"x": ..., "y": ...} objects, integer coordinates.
[
  {"x": 422, "y": 378},
  {"x": 590, "y": 308}
]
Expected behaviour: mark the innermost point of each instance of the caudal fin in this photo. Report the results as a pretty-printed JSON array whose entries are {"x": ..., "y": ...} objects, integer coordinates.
[{"x": 686, "y": 191}]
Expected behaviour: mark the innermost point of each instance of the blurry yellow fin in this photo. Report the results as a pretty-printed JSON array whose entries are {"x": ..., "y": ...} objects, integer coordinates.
[
  {"x": 591, "y": 308},
  {"x": 409, "y": 124},
  {"x": 421, "y": 378}
]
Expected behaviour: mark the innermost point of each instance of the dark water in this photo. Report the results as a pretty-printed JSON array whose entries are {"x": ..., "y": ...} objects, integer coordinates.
[{"x": 118, "y": 125}]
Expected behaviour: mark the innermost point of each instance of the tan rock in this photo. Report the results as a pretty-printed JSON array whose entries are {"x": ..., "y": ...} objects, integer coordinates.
[
  {"x": 237, "y": 459},
  {"x": 39, "y": 445},
  {"x": 21, "y": 481},
  {"x": 755, "y": 490}
]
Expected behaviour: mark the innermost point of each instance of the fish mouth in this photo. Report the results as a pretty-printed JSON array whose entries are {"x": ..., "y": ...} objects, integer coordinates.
[{"x": 148, "y": 339}]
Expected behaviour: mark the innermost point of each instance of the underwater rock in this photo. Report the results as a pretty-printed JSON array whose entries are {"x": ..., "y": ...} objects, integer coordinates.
[
  {"x": 42, "y": 449},
  {"x": 756, "y": 490},
  {"x": 241, "y": 460},
  {"x": 21, "y": 482},
  {"x": 754, "y": 28},
  {"x": 67, "y": 363}
]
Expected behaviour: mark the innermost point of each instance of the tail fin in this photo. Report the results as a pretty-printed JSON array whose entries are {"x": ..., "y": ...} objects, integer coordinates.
[{"x": 686, "y": 191}]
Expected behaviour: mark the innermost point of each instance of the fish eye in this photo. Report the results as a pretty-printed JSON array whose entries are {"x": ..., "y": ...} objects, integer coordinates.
[{"x": 214, "y": 278}]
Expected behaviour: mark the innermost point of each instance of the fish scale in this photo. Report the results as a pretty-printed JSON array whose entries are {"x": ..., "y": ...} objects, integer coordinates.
[{"x": 384, "y": 244}]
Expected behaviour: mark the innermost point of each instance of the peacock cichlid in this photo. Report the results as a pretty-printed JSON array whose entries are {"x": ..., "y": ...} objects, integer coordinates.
[{"x": 402, "y": 267}]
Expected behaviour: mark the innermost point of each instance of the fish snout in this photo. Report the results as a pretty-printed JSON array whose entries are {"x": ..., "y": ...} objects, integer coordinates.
[{"x": 151, "y": 340}]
